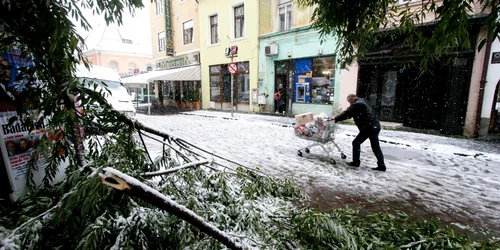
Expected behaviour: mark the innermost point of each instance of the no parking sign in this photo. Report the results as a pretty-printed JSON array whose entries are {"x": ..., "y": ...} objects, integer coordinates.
[{"x": 233, "y": 68}]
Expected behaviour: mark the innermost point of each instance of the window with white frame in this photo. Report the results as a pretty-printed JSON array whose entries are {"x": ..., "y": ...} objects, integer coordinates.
[
  {"x": 239, "y": 21},
  {"x": 160, "y": 7},
  {"x": 187, "y": 28},
  {"x": 161, "y": 41},
  {"x": 214, "y": 26},
  {"x": 285, "y": 15}
]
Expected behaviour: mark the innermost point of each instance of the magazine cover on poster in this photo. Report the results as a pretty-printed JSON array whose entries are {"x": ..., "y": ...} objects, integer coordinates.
[{"x": 17, "y": 143}]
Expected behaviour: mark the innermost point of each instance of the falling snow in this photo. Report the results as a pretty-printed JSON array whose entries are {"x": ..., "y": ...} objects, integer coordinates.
[{"x": 445, "y": 174}]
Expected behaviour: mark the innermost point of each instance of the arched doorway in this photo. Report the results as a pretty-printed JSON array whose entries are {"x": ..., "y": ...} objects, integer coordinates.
[
  {"x": 494, "y": 127},
  {"x": 114, "y": 65}
]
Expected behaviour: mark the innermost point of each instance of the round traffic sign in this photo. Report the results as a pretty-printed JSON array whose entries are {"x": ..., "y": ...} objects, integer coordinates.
[{"x": 233, "y": 68}]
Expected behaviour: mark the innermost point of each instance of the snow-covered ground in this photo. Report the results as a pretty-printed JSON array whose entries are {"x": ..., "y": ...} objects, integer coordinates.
[{"x": 447, "y": 174}]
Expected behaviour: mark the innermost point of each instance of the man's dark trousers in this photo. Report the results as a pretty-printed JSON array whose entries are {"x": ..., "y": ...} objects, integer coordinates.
[{"x": 370, "y": 132}]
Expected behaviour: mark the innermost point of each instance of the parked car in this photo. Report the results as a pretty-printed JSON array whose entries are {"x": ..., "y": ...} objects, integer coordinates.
[{"x": 119, "y": 97}]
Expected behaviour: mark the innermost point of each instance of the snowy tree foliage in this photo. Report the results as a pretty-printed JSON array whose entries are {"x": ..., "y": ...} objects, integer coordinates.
[
  {"x": 256, "y": 211},
  {"x": 361, "y": 25}
]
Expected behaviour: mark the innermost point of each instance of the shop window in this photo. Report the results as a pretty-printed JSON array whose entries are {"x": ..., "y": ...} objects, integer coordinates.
[
  {"x": 242, "y": 79},
  {"x": 314, "y": 80},
  {"x": 226, "y": 84},
  {"x": 215, "y": 83},
  {"x": 322, "y": 81},
  {"x": 220, "y": 83}
]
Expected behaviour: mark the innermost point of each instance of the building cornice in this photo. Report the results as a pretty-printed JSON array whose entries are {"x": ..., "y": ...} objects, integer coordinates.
[
  {"x": 287, "y": 33},
  {"x": 97, "y": 51}
]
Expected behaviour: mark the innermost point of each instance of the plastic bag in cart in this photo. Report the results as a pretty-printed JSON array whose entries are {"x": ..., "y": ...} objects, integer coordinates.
[{"x": 318, "y": 130}]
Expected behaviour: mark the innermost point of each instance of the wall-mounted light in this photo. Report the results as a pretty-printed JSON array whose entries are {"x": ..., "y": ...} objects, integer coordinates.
[
  {"x": 289, "y": 54},
  {"x": 320, "y": 51}
]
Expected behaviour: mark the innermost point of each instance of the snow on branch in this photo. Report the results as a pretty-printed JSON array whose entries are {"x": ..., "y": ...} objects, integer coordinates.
[
  {"x": 173, "y": 170},
  {"x": 134, "y": 187}
]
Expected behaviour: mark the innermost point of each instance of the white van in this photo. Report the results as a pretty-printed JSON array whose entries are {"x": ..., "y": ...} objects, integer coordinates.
[{"x": 120, "y": 98}]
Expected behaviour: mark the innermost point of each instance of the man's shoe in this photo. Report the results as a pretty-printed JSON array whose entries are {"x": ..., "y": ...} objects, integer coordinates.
[
  {"x": 353, "y": 164},
  {"x": 379, "y": 168}
]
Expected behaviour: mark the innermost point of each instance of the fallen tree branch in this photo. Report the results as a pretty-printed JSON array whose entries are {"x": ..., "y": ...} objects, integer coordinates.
[
  {"x": 134, "y": 187},
  {"x": 173, "y": 170}
]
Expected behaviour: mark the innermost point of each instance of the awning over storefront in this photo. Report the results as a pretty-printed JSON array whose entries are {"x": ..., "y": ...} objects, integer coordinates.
[
  {"x": 139, "y": 81},
  {"x": 192, "y": 73}
]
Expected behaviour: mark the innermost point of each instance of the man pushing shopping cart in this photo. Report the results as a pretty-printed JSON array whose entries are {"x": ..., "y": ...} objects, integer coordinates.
[{"x": 369, "y": 127}]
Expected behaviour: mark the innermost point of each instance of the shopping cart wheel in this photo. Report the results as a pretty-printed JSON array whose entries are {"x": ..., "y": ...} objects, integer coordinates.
[
  {"x": 333, "y": 162},
  {"x": 299, "y": 153},
  {"x": 307, "y": 150},
  {"x": 343, "y": 156}
]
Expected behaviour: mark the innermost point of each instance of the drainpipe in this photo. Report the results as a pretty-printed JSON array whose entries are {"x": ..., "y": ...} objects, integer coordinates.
[{"x": 482, "y": 84}]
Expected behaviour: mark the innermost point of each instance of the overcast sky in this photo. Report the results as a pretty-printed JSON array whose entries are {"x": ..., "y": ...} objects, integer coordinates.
[{"x": 135, "y": 26}]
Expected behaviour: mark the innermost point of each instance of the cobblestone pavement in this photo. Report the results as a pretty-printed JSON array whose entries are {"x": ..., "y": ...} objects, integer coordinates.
[{"x": 326, "y": 199}]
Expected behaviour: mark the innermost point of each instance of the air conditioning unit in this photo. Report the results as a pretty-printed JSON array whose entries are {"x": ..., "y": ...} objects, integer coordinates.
[{"x": 271, "y": 49}]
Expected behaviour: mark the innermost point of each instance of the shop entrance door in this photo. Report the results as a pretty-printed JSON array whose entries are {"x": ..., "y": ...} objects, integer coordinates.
[
  {"x": 382, "y": 86},
  {"x": 280, "y": 79},
  {"x": 284, "y": 75}
]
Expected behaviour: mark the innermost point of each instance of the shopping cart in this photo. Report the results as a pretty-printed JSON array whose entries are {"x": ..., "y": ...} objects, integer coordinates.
[{"x": 322, "y": 133}]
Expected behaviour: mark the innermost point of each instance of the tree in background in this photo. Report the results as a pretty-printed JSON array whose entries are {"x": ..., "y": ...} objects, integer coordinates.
[{"x": 360, "y": 25}]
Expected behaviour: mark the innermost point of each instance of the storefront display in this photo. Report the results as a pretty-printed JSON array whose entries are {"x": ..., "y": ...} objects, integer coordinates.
[{"x": 313, "y": 83}]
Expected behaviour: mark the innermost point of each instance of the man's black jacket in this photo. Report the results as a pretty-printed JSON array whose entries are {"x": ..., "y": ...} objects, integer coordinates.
[{"x": 363, "y": 114}]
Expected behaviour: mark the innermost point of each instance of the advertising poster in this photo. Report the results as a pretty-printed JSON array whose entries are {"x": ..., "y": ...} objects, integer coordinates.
[
  {"x": 20, "y": 144},
  {"x": 17, "y": 143}
]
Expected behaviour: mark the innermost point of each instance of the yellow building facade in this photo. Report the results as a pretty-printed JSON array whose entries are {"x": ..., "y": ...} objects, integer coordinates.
[
  {"x": 229, "y": 24},
  {"x": 174, "y": 33},
  {"x": 176, "y": 44}
]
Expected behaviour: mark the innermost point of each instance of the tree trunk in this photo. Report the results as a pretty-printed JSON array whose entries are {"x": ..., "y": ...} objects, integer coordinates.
[
  {"x": 78, "y": 144},
  {"x": 134, "y": 187}
]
